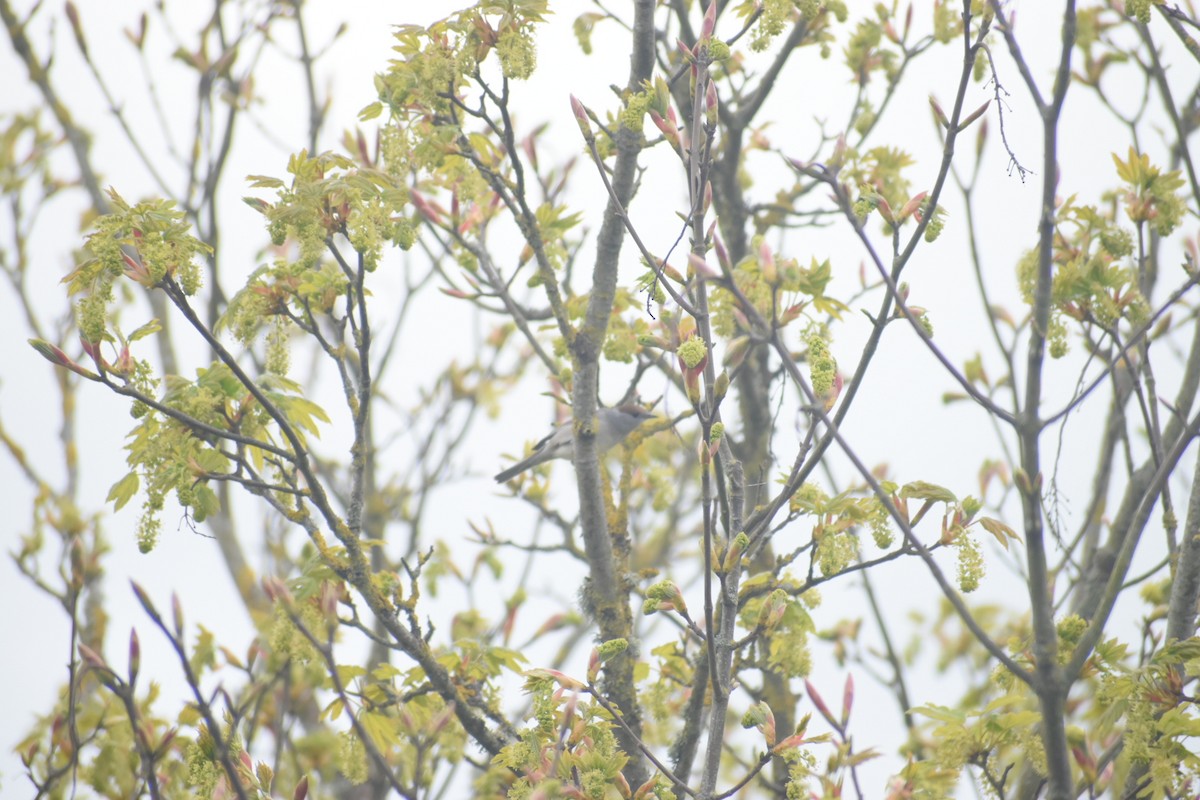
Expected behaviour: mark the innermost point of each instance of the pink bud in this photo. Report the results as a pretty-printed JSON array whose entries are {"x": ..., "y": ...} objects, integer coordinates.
[
  {"x": 92, "y": 349},
  {"x": 135, "y": 656},
  {"x": 815, "y": 696},
  {"x": 671, "y": 273},
  {"x": 913, "y": 205},
  {"x": 938, "y": 114},
  {"x": 177, "y": 614},
  {"x": 885, "y": 211},
  {"x": 529, "y": 145},
  {"x": 795, "y": 740},
  {"x": 124, "y": 365},
  {"x": 510, "y": 621},
  {"x": 360, "y": 142},
  {"x": 668, "y": 128},
  {"x": 839, "y": 152},
  {"x": 165, "y": 744},
  {"x": 259, "y": 205},
  {"x": 768, "y": 729},
  {"x": 144, "y": 599},
  {"x": 847, "y": 698},
  {"x": 271, "y": 585},
  {"x": 791, "y": 313},
  {"x": 553, "y": 623},
  {"x": 51, "y": 353},
  {"x": 441, "y": 719},
  {"x": 710, "y": 21},
  {"x": 722, "y": 254},
  {"x": 691, "y": 384},
  {"x": 835, "y": 392},
  {"x": 77, "y": 28},
  {"x": 327, "y": 598},
  {"x": 593, "y": 667},
  {"x": 974, "y": 115},
  {"x": 581, "y": 118},
  {"x": 766, "y": 264},
  {"x": 646, "y": 790},
  {"x": 136, "y": 270},
  {"x": 92, "y": 658},
  {"x": 77, "y": 566},
  {"x": 561, "y": 678},
  {"x": 697, "y": 265},
  {"x": 427, "y": 210}
]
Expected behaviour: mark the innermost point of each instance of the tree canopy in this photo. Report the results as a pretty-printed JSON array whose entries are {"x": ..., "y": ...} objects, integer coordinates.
[{"x": 909, "y": 289}]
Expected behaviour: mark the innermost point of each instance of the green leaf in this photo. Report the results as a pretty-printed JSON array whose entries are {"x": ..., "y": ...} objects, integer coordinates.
[
  {"x": 554, "y": 221},
  {"x": 302, "y": 412},
  {"x": 205, "y": 653},
  {"x": 370, "y": 111},
  {"x": 831, "y": 306},
  {"x": 998, "y": 529},
  {"x": 504, "y": 657},
  {"x": 921, "y": 490},
  {"x": 485, "y": 147},
  {"x": 220, "y": 378},
  {"x": 815, "y": 278},
  {"x": 1004, "y": 701},
  {"x": 333, "y": 710},
  {"x": 205, "y": 504},
  {"x": 1177, "y": 722},
  {"x": 863, "y": 756},
  {"x": 754, "y": 583},
  {"x": 264, "y": 182},
  {"x": 123, "y": 491},
  {"x": 151, "y": 327},
  {"x": 348, "y": 672},
  {"x": 1019, "y": 720},
  {"x": 385, "y": 672},
  {"x": 213, "y": 462},
  {"x": 381, "y": 729},
  {"x": 941, "y": 713}
]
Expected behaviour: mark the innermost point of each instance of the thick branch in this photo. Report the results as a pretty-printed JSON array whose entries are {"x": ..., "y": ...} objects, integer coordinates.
[{"x": 608, "y": 587}]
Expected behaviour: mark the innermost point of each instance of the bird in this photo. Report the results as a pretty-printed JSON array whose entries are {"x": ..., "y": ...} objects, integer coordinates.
[{"x": 613, "y": 425}]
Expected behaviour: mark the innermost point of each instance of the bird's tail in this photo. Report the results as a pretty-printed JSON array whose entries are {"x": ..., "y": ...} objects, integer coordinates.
[{"x": 516, "y": 469}]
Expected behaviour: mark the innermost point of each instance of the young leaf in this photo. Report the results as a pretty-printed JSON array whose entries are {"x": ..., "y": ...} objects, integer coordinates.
[{"x": 123, "y": 491}]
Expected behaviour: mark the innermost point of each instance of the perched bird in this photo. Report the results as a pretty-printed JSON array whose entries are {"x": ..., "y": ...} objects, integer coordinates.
[{"x": 614, "y": 424}]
